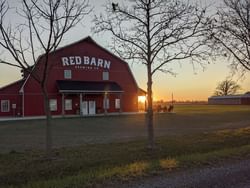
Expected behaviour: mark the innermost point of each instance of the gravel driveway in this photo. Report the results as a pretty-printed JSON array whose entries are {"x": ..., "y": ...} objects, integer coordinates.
[{"x": 236, "y": 175}]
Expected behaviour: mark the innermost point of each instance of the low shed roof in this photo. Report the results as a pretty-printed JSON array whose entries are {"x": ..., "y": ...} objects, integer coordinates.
[{"x": 231, "y": 96}]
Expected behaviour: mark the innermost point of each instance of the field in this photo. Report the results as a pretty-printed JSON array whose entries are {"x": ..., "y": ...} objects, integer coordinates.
[
  {"x": 98, "y": 150},
  {"x": 186, "y": 120}
]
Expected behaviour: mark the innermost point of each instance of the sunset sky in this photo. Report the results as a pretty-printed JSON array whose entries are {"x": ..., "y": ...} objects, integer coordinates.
[{"x": 190, "y": 83}]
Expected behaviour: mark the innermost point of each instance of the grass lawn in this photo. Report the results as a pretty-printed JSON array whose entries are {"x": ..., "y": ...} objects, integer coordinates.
[
  {"x": 85, "y": 165},
  {"x": 187, "y": 119},
  {"x": 113, "y": 148}
]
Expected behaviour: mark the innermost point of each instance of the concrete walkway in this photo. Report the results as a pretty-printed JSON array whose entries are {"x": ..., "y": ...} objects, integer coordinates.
[{"x": 67, "y": 116}]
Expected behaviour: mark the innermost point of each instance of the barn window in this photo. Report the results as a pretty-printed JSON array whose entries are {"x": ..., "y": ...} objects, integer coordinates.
[
  {"x": 117, "y": 103},
  {"x": 105, "y": 76},
  {"x": 67, "y": 74},
  {"x": 53, "y": 104},
  {"x": 5, "y": 105},
  {"x": 68, "y": 104},
  {"x": 106, "y": 103}
]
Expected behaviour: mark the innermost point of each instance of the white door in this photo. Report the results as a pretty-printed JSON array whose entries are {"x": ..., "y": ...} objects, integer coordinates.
[
  {"x": 92, "y": 107},
  {"x": 84, "y": 108}
]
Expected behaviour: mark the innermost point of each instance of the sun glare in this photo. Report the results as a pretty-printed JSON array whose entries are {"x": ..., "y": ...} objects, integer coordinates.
[{"x": 142, "y": 99}]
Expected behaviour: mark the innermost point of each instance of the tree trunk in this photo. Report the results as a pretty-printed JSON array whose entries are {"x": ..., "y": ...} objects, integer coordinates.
[
  {"x": 150, "y": 125},
  {"x": 150, "y": 128},
  {"x": 48, "y": 123}
]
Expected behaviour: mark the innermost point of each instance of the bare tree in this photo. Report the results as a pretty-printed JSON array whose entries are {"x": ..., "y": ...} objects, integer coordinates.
[
  {"x": 44, "y": 25},
  {"x": 227, "y": 87},
  {"x": 155, "y": 33},
  {"x": 231, "y": 33}
]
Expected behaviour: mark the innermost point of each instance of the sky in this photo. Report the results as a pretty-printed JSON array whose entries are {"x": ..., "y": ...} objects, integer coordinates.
[{"x": 190, "y": 83}]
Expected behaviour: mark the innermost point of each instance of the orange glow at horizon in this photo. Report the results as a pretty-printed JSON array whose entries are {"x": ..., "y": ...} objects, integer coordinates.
[{"x": 181, "y": 95}]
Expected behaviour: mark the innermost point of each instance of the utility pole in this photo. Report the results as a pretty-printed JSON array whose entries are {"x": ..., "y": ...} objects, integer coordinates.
[{"x": 172, "y": 98}]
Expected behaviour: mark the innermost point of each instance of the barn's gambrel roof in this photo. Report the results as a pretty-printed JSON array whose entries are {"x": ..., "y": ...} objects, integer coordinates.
[{"x": 86, "y": 39}]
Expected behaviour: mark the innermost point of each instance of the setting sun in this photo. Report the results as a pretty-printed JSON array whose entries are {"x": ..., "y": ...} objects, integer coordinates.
[{"x": 142, "y": 99}]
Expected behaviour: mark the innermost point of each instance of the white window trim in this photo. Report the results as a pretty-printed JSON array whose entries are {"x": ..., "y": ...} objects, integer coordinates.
[
  {"x": 117, "y": 104},
  {"x": 105, "y": 75},
  {"x": 55, "y": 105},
  {"x": 67, "y": 74},
  {"x": 2, "y": 106},
  {"x": 66, "y": 106}
]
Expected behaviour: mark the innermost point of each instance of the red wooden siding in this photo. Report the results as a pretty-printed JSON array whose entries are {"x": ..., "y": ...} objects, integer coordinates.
[{"x": 119, "y": 72}]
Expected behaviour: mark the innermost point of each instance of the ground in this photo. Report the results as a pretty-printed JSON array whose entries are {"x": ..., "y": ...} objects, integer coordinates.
[
  {"x": 233, "y": 174},
  {"x": 186, "y": 119},
  {"x": 191, "y": 143}
]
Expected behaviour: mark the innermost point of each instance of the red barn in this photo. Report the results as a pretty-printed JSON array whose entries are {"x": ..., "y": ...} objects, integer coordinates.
[{"x": 84, "y": 79}]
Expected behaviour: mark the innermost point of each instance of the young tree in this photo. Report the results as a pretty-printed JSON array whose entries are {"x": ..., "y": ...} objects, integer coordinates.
[
  {"x": 231, "y": 33},
  {"x": 227, "y": 87},
  {"x": 155, "y": 33},
  {"x": 44, "y": 25}
]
